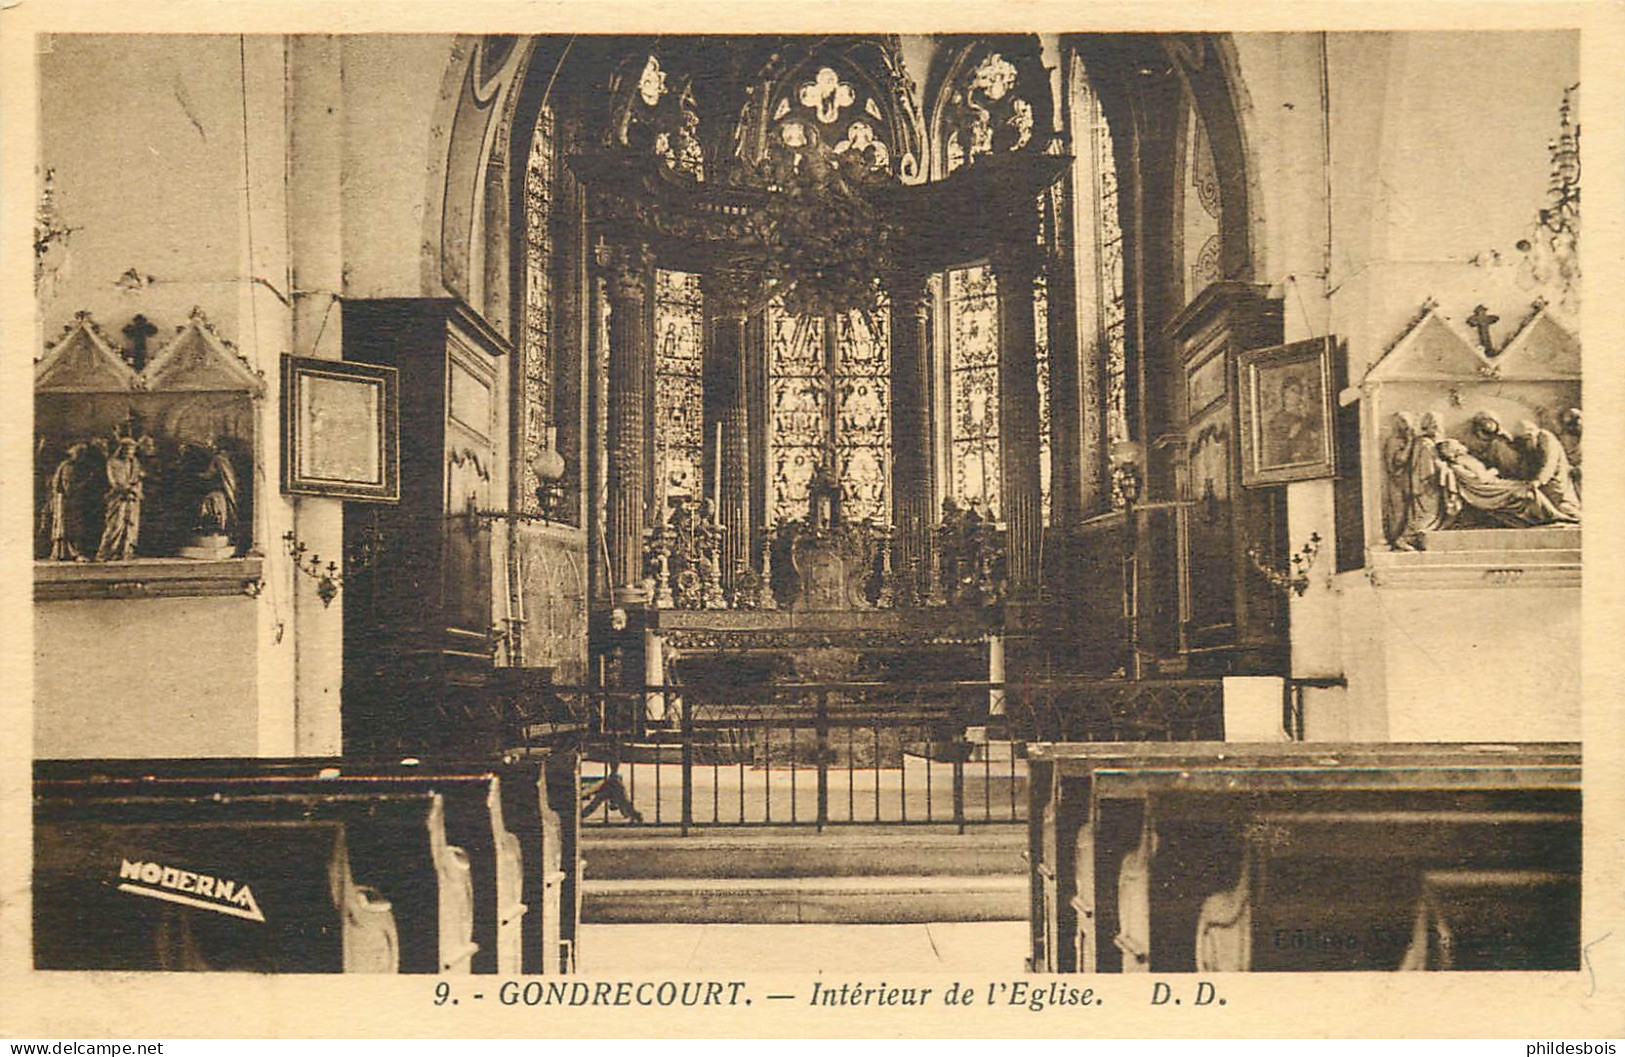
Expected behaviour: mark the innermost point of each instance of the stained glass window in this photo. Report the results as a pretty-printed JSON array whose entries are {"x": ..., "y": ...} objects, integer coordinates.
[
  {"x": 1101, "y": 311},
  {"x": 863, "y": 413},
  {"x": 828, "y": 104},
  {"x": 798, "y": 409},
  {"x": 667, "y": 121},
  {"x": 679, "y": 394},
  {"x": 985, "y": 114},
  {"x": 829, "y": 385},
  {"x": 535, "y": 362},
  {"x": 1046, "y": 245},
  {"x": 1110, "y": 242},
  {"x": 973, "y": 387}
]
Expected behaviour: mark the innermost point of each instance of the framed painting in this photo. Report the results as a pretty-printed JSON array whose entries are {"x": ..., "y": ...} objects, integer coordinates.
[
  {"x": 340, "y": 430},
  {"x": 1286, "y": 413}
]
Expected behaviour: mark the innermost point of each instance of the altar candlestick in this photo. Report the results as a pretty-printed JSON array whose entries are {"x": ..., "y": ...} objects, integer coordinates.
[{"x": 716, "y": 469}]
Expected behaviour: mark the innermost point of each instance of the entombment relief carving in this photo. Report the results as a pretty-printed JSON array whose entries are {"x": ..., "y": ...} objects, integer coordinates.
[{"x": 1435, "y": 482}]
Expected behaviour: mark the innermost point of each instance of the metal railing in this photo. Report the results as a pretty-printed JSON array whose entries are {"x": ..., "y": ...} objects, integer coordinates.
[{"x": 842, "y": 753}]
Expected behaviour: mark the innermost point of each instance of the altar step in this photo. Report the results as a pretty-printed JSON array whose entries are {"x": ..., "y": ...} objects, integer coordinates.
[
  {"x": 805, "y": 900},
  {"x": 1473, "y": 541},
  {"x": 628, "y": 853},
  {"x": 850, "y": 875},
  {"x": 1002, "y": 754}
]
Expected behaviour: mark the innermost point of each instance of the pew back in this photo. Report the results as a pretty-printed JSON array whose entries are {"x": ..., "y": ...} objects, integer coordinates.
[
  {"x": 391, "y": 844},
  {"x": 511, "y": 833},
  {"x": 1301, "y": 856}
]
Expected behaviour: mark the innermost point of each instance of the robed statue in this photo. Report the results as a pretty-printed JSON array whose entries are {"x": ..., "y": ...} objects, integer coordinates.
[
  {"x": 217, "y": 509},
  {"x": 126, "y": 489},
  {"x": 65, "y": 514}
]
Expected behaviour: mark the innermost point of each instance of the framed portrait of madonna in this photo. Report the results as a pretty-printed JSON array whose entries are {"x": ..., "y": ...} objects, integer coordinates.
[
  {"x": 340, "y": 430},
  {"x": 1286, "y": 413}
]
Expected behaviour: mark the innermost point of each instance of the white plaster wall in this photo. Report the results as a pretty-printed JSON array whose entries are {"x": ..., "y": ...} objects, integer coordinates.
[
  {"x": 1499, "y": 664},
  {"x": 1423, "y": 197},
  {"x": 145, "y": 134},
  {"x": 145, "y": 678},
  {"x": 1420, "y": 202},
  {"x": 173, "y": 156},
  {"x": 397, "y": 120},
  {"x": 1359, "y": 713}
]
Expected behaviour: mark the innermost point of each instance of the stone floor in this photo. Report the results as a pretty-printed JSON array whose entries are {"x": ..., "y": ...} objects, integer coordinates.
[{"x": 982, "y": 947}]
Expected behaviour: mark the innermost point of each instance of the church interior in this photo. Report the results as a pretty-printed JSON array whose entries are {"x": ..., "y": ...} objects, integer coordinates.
[{"x": 1102, "y": 489}]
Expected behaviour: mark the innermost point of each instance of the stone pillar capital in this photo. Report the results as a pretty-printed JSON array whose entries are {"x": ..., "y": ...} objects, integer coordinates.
[
  {"x": 910, "y": 294},
  {"x": 626, "y": 268},
  {"x": 729, "y": 291}
]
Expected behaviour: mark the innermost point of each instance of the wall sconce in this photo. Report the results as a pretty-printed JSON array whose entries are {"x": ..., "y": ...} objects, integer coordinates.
[
  {"x": 330, "y": 578},
  {"x": 548, "y": 466},
  {"x": 1296, "y": 578},
  {"x": 1127, "y": 475}
]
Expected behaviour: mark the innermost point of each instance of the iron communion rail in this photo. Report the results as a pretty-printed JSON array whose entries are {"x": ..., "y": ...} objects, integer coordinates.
[{"x": 841, "y": 753}]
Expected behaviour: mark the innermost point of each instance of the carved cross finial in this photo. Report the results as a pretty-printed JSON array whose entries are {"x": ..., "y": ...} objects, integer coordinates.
[
  {"x": 139, "y": 330},
  {"x": 1480, "y": 321}
]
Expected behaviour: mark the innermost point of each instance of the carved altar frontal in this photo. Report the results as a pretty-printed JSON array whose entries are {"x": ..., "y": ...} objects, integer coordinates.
[
  {"x": 728, "y": 631},
  {"x": 826, "y": 644}
]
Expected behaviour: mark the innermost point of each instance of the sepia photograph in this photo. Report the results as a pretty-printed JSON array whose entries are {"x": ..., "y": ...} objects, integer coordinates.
[{"x": 612, "y": 519}]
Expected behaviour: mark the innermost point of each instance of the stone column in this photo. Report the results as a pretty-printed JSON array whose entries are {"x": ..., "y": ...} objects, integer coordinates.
[
  {"x": 995, "y": 674},
  {"x": 1019, "y": 502},
  {"x": 913, "y": 476},
  {"x": 1067, "y": 362},
  {"x": 295, "y": 98},
  {"x": 727, "y": 418},
  {"x": 627, "y": 270},
  {"x": 654, "y": 674},
  {"x": 598, "y": 444}
]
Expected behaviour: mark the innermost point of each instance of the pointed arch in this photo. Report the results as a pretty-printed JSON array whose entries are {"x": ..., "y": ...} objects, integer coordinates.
[
  {"x": 852, "y": 94},
  {"x": 989, "y": 95}
]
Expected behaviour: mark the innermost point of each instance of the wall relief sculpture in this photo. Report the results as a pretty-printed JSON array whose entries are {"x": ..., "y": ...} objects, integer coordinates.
[
  {"x": 1466, "y": 437},
  {"x": 142, "y": 456},
  {"x": 1505, "y": 480}
]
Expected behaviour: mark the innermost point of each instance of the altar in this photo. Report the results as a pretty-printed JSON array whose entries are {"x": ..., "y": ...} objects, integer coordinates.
[
  {"x": 827, "y": 607},
  {"x": 731, "y": 647}
]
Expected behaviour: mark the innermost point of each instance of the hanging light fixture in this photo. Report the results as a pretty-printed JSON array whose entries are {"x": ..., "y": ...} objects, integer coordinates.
[
  {"x": 820, "y": 237},
  {"x": 549, "y": 467}
]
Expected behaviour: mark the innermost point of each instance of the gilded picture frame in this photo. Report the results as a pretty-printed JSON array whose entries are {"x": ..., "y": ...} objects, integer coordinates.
[
  {"x": 340, "y": 430},
  {"x": 1286, "y": 413}
]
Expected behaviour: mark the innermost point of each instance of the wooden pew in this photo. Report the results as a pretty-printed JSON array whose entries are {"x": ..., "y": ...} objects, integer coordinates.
[
  {"x": 109, "y": 869},
  {"x": 513, "y": 832},
  {"x": 1294, "y": 856},
  {"x": 436, "y": 862},
  {"x": 540, "y": 794}
]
